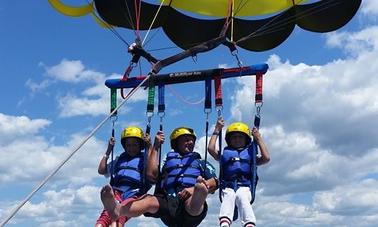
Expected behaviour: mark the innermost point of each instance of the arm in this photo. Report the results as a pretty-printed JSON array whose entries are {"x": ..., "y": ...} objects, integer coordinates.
[
  {"x": 152, "y": 171},
  {"x": 265, "y": 157},
  {"x": 211, "y": 148},
  {"x": 103, "y": 166}
]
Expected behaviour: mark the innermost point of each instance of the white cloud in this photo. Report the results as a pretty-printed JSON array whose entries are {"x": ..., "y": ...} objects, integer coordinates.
[
  {"x": 73, "y": 72},
  {"x": 71, "y": 105},
  {"x": 21, "y": 141},
  {"x": 369, "y": 7},
  {"x": 335, "y": 101},
  {"x": 349, "y": 200},
  {"x": 354, "y": 43},
  {"x": 60, "y": 207},
  {"x": 13, "y": 127},
  {"x": 35, "y": 87},
  {"x": 319, "y": 122}
]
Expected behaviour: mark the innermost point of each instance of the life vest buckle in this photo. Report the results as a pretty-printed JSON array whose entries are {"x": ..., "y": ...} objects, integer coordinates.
[{"x": 235, "y": 159}]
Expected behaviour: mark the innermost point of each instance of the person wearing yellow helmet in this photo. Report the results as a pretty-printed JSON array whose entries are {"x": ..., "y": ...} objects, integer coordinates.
[
  {"x": 127, "y": 181},
  {"x": 184, "y": 182},
  {"x": 181, "y": 186},
  {"x": 236, "y": 161}
]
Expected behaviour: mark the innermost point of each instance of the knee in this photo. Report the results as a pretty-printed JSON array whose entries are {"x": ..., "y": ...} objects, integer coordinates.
[{"x": 153, "y": 204}]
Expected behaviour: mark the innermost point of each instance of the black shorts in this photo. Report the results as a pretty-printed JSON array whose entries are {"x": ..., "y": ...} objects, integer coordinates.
[{"x": 172, "y": 212}]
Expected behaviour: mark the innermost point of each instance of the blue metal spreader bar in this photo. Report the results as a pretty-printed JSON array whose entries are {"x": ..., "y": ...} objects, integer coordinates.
[{"x": 190, "y": 76}]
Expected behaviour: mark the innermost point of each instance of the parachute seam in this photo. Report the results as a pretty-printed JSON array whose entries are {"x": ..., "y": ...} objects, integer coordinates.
[
  {"x": 272, "y": 27},
  {"x": 301, "y": 15}
]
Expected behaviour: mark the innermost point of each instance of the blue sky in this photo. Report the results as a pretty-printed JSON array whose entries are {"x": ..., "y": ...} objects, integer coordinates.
[{"x": 320, "y": 118}]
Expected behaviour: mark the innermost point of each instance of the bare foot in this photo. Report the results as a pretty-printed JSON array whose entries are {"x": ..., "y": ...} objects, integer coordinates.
[
  {"x": 201, "y": 184},
  {"x": 110, "y": 204}
]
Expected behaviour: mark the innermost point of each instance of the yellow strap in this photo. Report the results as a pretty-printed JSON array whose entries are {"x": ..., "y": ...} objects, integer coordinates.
[
  {"x": 218, "y": 8},
  {"x": 72, "y": 11}
]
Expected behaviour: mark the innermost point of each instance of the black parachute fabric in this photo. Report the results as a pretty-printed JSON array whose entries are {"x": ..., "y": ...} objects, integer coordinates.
[{"x": 260, "y": 34}]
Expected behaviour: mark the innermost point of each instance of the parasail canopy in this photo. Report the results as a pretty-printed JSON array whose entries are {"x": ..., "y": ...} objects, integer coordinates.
[{"x": 255, "y": 25}]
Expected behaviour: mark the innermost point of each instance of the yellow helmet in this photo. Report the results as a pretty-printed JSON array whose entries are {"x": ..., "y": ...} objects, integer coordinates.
[
  {"x": 133, "y": 132},
  {"x": 177, "y": 132},
  {"x": 238, "y": 127}
]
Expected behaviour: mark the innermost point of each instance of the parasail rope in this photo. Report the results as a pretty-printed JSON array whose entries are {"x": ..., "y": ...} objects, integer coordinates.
[
  {"x": 108, "y": 26},
  {"x": 272, "y": 27},
  {"x": 232, "y": 20},
  {"x": 131, "y": 93},
  {"x": 174, "y": 92},
  {"x": 153, "y": 21},
  {"x": 276, "y": 26},
  {"x": 241, "y": 5},
  {"x": 128, "y": 16},
  {"x": 137, "y": 8}
]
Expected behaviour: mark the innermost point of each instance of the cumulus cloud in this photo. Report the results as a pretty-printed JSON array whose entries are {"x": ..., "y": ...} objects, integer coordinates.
[
  {"x": 94, "y": 101},
  {"x": 352, "y": 204},
  {"x": 336, "y": 101},
  {"x": 369, "y": 8},
  {"x": 21, "y": 141},
  {"x": 319, "y": 122},
  {"x": 13, "y": 127},
  {"x": 349, "y": 200},
  {"x": 299, "y": 164},
  {"x": 73, "y": 72},
  {"x": 61, "y": 207},
  {"x": 90, "y": 98}
]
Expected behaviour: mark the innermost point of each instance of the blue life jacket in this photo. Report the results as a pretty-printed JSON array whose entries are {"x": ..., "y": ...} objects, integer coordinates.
[
  {"x": 128, "y": 175},
  {"x": 180, "y": 171},
  {"x": 237, "y": 167}
]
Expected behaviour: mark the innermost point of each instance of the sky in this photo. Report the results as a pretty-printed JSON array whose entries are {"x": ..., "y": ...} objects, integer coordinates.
[{"x": 319, "y": 118}]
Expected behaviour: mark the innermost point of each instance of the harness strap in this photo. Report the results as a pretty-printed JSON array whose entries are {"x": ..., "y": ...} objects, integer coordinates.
[
  {"x": 218, "y": 90},
  {"x": 257, "y": 120},
  {"x": 259, "y": 88},
  {"x": 238, "y": 160},
  {"x": 161, "y": 98},
  {"x": 159, "y": 151},
  {"x": 179, "y": 166},
  {"x": 144, "y": 188},
  {"x": 113, "y": 100},
  {"x": 207, "y": 94},
  {"x": 207, "y": 110},
  {"x": 219, "y": 106},
  {"x": 151, "y": 98},
  {"x": 128, "y": 167},
  {"x": 114, "y": 118}
]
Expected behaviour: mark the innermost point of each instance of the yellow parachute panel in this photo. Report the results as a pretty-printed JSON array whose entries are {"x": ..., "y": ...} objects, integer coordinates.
[
  {"x": 73, "y": 11},
  {"x": 78, "y": 11},
  {"x": 219, "y": 8}
]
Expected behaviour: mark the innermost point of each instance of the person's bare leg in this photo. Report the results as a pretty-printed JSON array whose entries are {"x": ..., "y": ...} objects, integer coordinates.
[
  {"x": 148, "y": 204},
  {"x": 132, "y": 209},
  {"x": 194, "y": 205},
  {"x": 110, "y": 204}
]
